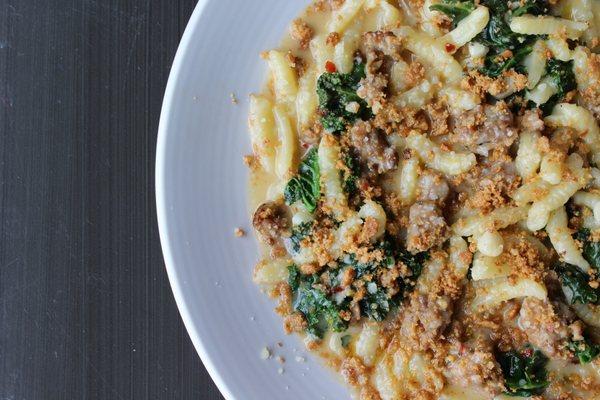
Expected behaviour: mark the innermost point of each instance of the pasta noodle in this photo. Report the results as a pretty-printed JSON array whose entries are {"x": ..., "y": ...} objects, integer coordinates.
[
  {"x": 494, "y": 291},
  {"x": 563, "y": 242},
  {"x": 342, "y": 17},
  {"x": 329, "y": 155},
  {"x": 528, "y": 157},
  {"x": 590, "y": 200},
  {"x": 432, "y": 52},
  {"x": 535, "y": 63},
  {"x": 307, "y": 101},
  {"x": 547, "y": 25},
  {"x": 486, "y": 267},
  {"x": 262, "y": 131},
  {"x": 286, "y": 151},
  {"x": 558, "y": 195},
  {"x": 468, "y": 28},
  {"x": 450, "y": 162},
  {"x": 580, "y": 119},
  {"x": 284, "y": 77}
]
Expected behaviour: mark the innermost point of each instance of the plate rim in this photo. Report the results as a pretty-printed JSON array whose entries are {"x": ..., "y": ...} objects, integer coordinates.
[{"x": 161, "y": 206}]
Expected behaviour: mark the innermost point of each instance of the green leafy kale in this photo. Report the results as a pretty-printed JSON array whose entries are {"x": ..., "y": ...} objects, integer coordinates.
[
  {"x": 376, "y": 304},
  {"x": 561, "y": 73},
  {"x": 498, "y": 36},
  {"x": 294, "y": 277},
  {"x": 524, "y": 372},
  {"x": 455, "y": 9},
  {"x": 577, "y": 282},
  {"x": 321, "y": 312},
  {"x": 584, "y": 350},
  {"x": 495, "y": 64},
  {"x": 306, "y": 185},
  {"x": 363, "y": 269},
  {"x": 350, "y": 177},
  {"x": 533, "y": 7},
  {"x": 299, "y": 233},
  {"x": 336, "y": 91},
  {"x": 414, "y": 262},
  {"x": 591, "y": 250}
]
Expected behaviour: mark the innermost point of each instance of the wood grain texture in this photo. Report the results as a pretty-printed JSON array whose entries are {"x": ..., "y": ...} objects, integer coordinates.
[{"x": 86, "y": 308}]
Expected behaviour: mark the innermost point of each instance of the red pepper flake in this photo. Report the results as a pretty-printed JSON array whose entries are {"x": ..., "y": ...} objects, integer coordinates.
[
  {"x": 330, "y": 67},
  {"x": 528, "y": 352},
  {"x": 450, "y": 48}
]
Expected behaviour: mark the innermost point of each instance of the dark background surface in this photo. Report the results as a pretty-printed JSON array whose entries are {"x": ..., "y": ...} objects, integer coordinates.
[{"x": 86, "y": 308}]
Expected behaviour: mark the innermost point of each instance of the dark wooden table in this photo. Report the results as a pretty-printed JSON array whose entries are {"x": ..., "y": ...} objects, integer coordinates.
[{"x": 86, "y": 308}]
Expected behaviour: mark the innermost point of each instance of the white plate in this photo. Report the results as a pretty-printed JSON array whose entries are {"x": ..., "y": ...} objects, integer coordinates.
[{"x": 201, "y": 197}]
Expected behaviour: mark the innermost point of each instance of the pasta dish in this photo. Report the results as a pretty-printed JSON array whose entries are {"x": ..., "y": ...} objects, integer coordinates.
[{"x": 426, "y": 184}]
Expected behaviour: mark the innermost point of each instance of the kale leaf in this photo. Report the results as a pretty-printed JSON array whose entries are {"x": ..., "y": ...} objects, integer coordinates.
[
  {"x": 533, "y": 7},
  {"x": 455, "y": 9},
  {"x": 306, "y": 185},
  {"x": 496, "y": 64},
  {"x": 591, "y": 250},
  {"x": 371, "y": 267},
  {"x": 376, "y": 304},
  {"x": 577, "y": 282},
  {"x": 351, "y": 176},
  {"x": 561, "y": 73},
  {"x": 498, "y": 36},
  {"x": 299, "y": 233},
  {"x": 294, "y": 277},
  {"x": 497, "y": 33},
  {"x": 321, "y": 313},
  {"x": 584, "y": 350},
  {"x": 336, "y": 92},
  {"x": 414, "y": 262},
  {"x": 524, "y": 372}
]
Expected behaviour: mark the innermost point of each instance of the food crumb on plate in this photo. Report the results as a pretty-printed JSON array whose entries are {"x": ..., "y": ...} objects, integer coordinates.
[
  {"x": 239, "y": 232},
  {"x": 233, "y": 98},
  {"x": 265, "y": 353}
]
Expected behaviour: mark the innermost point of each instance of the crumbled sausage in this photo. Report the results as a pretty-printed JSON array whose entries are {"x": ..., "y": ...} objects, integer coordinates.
[
  {"x": 532, "y": 121},
  {"x": 432, "y": 187},
  {"x": 427, "y": 227},
  {"x": 271, "y": 222},
  {"x": 474, "y": 365},
  {"x": 424, "y": 312},
  {"x": 485, "y": 128},
  {"x": 380, "y": 47},
  {"x": 373, "y": 147},
  {"x": 543, "y": 326}
]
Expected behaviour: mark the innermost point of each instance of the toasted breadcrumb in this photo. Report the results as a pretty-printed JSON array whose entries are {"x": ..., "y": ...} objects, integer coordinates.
[
  {"x": 239, "y": 232},
  {"x": 301, "y": 32}
]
